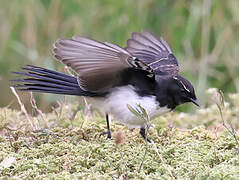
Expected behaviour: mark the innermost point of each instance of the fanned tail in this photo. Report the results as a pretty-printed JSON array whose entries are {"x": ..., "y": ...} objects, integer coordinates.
[{"x": 37, "y": 79}]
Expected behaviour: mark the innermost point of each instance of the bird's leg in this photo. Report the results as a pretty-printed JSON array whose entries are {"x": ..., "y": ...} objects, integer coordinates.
[
  {"x": 108, "y": 128},
  {"x": 142, "y": 133}
]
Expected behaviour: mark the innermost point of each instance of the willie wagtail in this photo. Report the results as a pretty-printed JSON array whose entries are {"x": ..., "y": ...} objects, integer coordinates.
[{"x": 145, "y": 73}]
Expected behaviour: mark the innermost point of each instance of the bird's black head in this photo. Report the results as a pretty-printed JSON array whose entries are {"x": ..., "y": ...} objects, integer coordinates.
[{"x": 181, "y": 91}]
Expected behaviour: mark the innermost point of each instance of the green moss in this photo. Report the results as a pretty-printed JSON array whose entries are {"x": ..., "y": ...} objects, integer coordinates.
[{"x": 77, "y": 150}]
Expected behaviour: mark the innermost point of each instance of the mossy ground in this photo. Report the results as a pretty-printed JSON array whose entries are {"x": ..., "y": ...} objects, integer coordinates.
[{"x": 57, "y": 146}]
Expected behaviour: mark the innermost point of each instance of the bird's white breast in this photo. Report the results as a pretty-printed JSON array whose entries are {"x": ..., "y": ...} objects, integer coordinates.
[{"x": 116, "y": 104}]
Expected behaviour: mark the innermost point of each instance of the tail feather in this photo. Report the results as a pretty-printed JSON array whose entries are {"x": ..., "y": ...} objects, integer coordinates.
[
  {"x": 43, "y": 83},
  {"x": 43, "y": 80},
  {"x": 47, "y": 78}
]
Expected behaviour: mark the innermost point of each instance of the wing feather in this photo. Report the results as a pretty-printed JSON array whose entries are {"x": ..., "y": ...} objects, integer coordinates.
[
  {"x": 153, "y": 51},
  {"x": 97, "y": 64}
]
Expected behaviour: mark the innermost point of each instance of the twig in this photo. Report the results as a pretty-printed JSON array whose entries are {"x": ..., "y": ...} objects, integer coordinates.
[
  {"x": 34, "y": 106},
  {"x": 162, "y": 160},
  {"x": 87, "y": 108},
  {"x": 140, "y": 112},
  {"x": 230, "y": 129},
  {"x": 58, "y": 115},
  {"x": 10, "y": 140},
  {"x": 87, "y": 113},
  {"x": 23, "y": 109}
]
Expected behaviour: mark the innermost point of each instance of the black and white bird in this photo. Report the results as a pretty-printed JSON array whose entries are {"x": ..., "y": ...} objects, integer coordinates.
[{"x": 145, "y": 73}]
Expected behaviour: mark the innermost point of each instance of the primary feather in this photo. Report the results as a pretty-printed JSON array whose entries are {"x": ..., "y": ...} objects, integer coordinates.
[{"x": 155, "y": 52}]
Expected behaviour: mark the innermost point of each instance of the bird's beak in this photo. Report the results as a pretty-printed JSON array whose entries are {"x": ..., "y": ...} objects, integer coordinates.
[{"x": 195, "y": 101}]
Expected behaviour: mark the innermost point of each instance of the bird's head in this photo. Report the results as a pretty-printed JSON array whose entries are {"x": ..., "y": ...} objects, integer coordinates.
[{"x": 182, "y": 91}]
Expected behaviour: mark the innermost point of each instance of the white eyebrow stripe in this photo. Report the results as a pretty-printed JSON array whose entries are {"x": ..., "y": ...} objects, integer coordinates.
[{"x": 182, "y": 84}]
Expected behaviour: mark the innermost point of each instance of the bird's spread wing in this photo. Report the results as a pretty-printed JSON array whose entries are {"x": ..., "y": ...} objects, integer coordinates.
[
  {"x": 154, "y": 52},
  {"x": 98, "y": 65}
]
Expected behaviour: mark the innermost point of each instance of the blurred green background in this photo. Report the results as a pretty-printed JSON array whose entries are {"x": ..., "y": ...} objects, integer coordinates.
[{"x": 204, "y": 35}]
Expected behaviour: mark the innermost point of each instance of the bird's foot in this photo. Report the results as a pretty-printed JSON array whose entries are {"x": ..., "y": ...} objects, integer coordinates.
[
  {"x": 108, "y": 134},
  {"x": 148, "y": 140}
]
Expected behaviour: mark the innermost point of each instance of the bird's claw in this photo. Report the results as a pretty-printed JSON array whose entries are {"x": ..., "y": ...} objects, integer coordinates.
[{"x": 108, "y": 134}]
